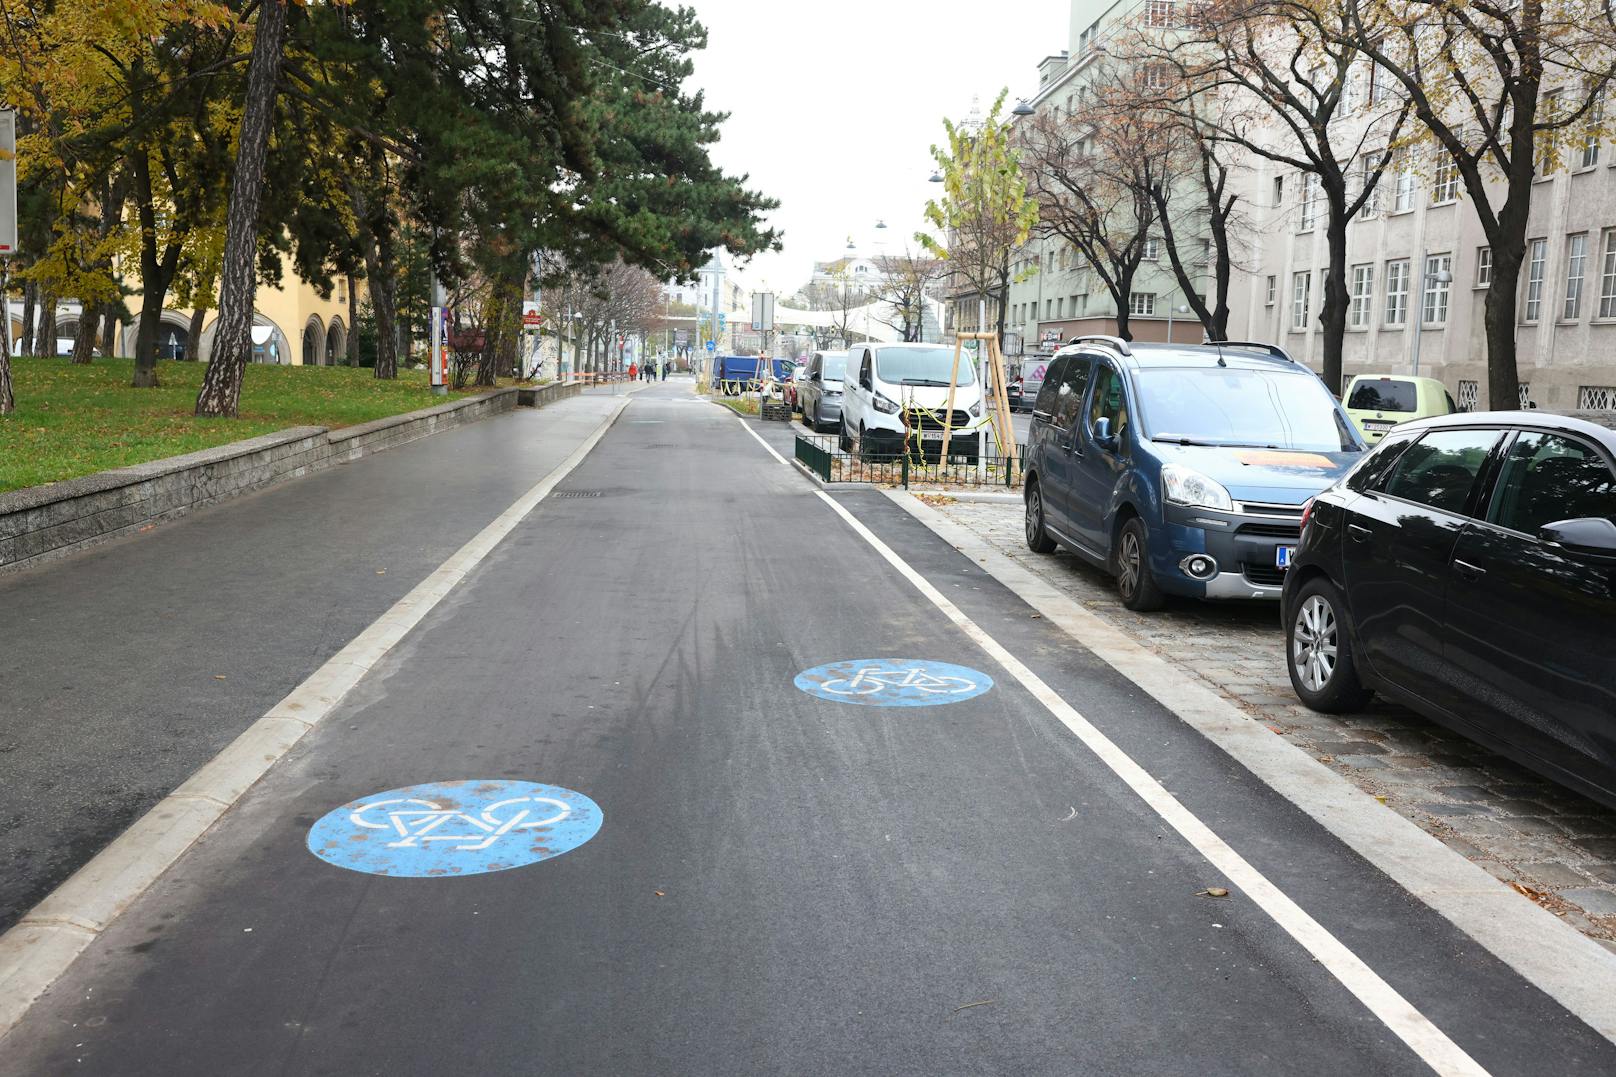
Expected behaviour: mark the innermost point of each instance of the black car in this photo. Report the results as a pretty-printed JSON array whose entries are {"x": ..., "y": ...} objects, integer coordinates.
[{"x": 1467, "y": 568}]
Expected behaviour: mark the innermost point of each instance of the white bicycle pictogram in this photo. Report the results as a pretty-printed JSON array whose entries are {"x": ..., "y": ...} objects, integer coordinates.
[
  {"x": 417, "y": 821},
  {"x": 871, "y": 679}
]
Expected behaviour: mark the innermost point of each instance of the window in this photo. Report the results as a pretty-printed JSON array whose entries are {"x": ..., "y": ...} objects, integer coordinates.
[
  {"x": 1366, "y": 175},
  {"x": 1152, "y": 250},
  {"x": 1445, "y": 181},
  {"x": 1596, "y": 398},
  {"x": 1469, "y": 395},
  {"x": 1607, "y": 278},
  {"x": 1110, "y": 400},
  {"x": 342, "y": 289},
  {"x": 1526, "y": 395},
  {"x": 1549, "y": 477},
  {"x": 1384, "y": 394},
  {"x": 1434, "y": 298},
  {"x": 1594, "y": 121},
  {"x": 1060, "y": 308},
  {"x": 1310, "y": 208},
  {"x": 1074, "y": 382},
  {"x": 1301, "y": 299},
  {"x": 1441, "y": 469},
  {"x": 1049, "y": 309},
  {"x": 1576, "y": 262},
  {"x": 1484, "y": 266},
  {"x": 1403, "y": 186},
  {"x": 1206, "y": 252},
  {"x": 1273, "y": 286},
  {"x": 1159, "y": 13},
  {"x": 1397, "y": 292},
  {"x": 1548, "y": 144},
  {"x": 1279, "y": 191},
  {"x": 1536, "y": 252},
  {"x": 1071, "y": 306},
  {"x": 1142, "y": 303},
  {"x": 1363, "y": 292},
  {"x": 1049, "y": 392}
]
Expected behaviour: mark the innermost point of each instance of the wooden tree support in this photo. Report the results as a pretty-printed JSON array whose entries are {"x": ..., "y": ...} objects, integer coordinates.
[{"x": 1004, "y": 431}]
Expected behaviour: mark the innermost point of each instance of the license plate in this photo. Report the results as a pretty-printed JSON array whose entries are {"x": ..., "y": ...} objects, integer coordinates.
[
  {"x": 931, "y": 435},
  {"x": 1370, "y": 424},
  {"x": 1283, "y": 555}
]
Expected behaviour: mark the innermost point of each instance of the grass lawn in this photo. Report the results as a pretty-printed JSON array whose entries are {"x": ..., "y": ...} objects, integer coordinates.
[{"x": 76, "y": 420}]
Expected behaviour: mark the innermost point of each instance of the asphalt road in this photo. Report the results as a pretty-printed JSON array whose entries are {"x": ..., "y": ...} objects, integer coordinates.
[{"x": 781, "y": 883}]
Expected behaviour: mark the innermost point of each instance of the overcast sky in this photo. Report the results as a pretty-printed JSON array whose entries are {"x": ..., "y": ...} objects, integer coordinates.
[{"x": 834, "y": 104}]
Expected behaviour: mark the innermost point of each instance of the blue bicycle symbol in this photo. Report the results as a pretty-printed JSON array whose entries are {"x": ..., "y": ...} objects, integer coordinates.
[{"x": 902, "y": 682}]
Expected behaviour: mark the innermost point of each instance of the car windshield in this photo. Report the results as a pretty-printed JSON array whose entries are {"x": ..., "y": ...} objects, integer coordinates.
[
  {"x": 1383, "y": 394},
  {"x": 922, "y": 366},
  {"x": 1275, "y": 409},
  {"x": 835, "y": 368}
]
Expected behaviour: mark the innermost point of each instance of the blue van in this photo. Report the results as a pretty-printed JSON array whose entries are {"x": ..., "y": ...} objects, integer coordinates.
[{"x": 1181, "y": 469}]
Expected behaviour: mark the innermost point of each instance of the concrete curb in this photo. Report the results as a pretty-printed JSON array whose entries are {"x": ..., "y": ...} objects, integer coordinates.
[
  {"x": 1552, "y": 955},
  {"x": 43, "y": 523},
  {"x": 50, "y": 937}
]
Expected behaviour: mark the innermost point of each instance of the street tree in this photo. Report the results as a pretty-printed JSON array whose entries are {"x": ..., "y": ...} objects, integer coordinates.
[
  {"x": 1503, "y": 91},
  {"x": 985, "y": 211},
  {"x": 903, "y": 287},
  {"x": 1288, "y": 81}
]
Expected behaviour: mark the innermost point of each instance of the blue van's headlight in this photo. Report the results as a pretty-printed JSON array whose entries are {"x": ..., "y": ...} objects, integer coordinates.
[{"x": 1185, "y": 486}]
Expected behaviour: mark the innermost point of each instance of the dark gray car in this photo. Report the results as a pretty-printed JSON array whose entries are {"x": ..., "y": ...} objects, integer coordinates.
[{"x": 820, "y": 391}]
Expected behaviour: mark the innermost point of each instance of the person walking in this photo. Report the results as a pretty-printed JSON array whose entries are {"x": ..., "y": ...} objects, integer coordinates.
[{"x": 633, "y": 372}]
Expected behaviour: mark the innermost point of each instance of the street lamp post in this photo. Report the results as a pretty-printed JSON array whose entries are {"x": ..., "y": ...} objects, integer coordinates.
[
  {"x": 1442, "y": 276},
  {"x": 1180, "y": 309}
]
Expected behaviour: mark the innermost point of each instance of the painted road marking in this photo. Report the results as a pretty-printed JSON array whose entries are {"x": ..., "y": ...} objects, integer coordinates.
[
  {"x": 455, "y": 828},
  {"x": 893, "y": 682},
  {"x": 1399, "y": 1015}
]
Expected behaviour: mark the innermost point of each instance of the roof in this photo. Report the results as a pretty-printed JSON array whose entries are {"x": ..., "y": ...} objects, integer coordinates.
[
  {"x": 1600, "y": 425},
  {"x": 1240, "y": 356}
]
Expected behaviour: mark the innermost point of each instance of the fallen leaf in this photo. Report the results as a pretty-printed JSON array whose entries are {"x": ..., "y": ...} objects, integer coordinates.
[
  {"x": 381, "y": 572},
  {"x": 218, "y": 676},
  {"x": 659, "y": 893},
  {"x": 1038, "y": 617},
  {"x": 1326, "y": 759},
  {"x": 1212, "y": 891}
]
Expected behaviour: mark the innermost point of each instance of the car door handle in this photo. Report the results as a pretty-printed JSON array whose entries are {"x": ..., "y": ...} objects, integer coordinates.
[
  {"x": 1467, "y": 570},
  {"x": 1358, "y": 532}
]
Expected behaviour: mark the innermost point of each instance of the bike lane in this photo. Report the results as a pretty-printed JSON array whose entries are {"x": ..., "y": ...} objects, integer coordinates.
[{"x": 780, "y": 882}]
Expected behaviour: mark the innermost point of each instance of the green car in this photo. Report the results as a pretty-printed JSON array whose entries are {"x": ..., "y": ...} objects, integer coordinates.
[{"x": 1378, "y": 402}]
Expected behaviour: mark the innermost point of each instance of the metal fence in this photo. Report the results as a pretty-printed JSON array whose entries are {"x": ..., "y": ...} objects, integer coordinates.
[{"x": 823, "y": 457}]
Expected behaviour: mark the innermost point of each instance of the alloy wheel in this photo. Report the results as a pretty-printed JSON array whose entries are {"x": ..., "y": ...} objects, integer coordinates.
[
  {"x": 1035, "y": 515},
  {"x": 1314, "y": 643},
  {"x": 1129, "y": 562}
]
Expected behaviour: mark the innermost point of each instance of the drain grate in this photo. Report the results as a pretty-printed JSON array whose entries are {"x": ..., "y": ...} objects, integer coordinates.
[{"x": 576, "y": 493}]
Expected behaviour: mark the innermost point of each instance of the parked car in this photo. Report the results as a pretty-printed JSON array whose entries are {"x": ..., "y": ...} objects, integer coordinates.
[
  {"x": 892, "y": 382},
  {"x": 790, "y": 386},
  {"x": 1468, "y": 570},
  {"x": 736, "y": 374},
  {"x": 821, "y": 390},
  {"x": 1181, "y": 469},
  {"x": 1378, "y": 402},
  {"x": 1033, "y": 369}
]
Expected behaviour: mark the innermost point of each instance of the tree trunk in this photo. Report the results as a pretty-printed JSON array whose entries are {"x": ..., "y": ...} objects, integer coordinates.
[
  {"x": 8, "y": 402},
  {"x": 30, "y": 299},
  {"x": 109, "y": 330},
  {"x": 1333, "y": 309},
  {"x": 378, "y": 247},
  {"x": 232, "y": 341},
  {"x": 84, "y": 339},
  {"x": 352, "y": 355},
  {"x": 1503, "y": 376},
  {"x": 193, "y": 337},
  {"x": 146, "y": 330},
  {"x": 47, "y": 325}
]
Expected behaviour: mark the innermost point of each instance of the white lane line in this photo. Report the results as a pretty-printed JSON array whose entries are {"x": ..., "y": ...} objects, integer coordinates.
[
  {"x": 41, "y": 946},
  {"x": 1410, "y": 1025}
]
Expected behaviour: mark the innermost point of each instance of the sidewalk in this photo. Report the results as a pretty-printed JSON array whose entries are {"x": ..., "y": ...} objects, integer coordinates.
[
  {"x": 1555, "y": 847},
  {"x": 129, "y": 665}
]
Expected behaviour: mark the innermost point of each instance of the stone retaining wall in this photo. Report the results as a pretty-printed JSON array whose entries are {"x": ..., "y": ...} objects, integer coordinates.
[{"x": 45, "y": 522}]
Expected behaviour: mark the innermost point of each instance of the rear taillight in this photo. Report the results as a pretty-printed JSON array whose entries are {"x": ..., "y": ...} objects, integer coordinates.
[{"x": 1307, "y": 514}]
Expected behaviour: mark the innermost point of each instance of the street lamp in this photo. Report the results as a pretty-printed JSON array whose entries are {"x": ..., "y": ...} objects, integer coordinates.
[
  {"x": 1179, "y": 309},
  {"x": 1022, "y": 108},
  {"x": 1441, "y": 276}
]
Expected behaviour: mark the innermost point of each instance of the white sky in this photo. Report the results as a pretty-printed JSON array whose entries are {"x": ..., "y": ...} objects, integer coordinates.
[{"x": 834, "y": 104}]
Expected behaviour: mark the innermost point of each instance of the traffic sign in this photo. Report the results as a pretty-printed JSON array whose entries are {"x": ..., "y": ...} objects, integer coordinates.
[
  {"x": 8, "y": 182},
  {"x": 454, "y": 828},
  {"x": 712, "y": 345},
  {"x": 531, "y": 318}
]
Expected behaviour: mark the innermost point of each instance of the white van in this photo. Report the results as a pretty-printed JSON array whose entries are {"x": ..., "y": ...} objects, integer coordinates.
[{"x": 887, "y": 381}]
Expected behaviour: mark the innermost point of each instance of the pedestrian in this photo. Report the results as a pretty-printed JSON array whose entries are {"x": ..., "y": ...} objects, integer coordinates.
[
  {"x": 664, "y": 365},
  {"x": 633, "y": 372}
]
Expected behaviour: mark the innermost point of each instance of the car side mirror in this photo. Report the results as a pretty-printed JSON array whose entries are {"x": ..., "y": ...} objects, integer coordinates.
[
  {"x": 1590, "y": 534},
  {"x": 1103, "y": 437}
]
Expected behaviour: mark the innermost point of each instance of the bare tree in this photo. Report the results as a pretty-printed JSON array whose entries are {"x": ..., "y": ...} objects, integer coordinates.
[
  {"x": 1497, "y": 85},
  {"x": 904, "y": 282}
]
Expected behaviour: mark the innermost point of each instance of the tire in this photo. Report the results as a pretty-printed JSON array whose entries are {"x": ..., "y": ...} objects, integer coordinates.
[
  {"x": 1136, "y": 584},
  {"x": 844, "y": 442},
  {"x": 1038, "y": 540},
  {"x": 863, "y": 444},
  {"x": 1318, "y": 651}
]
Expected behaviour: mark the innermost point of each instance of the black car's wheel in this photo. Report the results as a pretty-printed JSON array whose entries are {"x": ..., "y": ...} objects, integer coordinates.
[
  {"x": 1136, "y": 584},
  {"x": 1318, "y": 644},
  {"x": 843, "y": 441},
  {"x": 1038, "y": 540}
]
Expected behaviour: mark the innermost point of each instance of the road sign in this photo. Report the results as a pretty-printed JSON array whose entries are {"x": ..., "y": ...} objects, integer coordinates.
[
  {"x": 8, "y": 182},
  {"x": 681, "y": 336},
  {"x": 531, "y": 318},
  {"x": 712, "y": 345},
  {"x": 763, "y": 311},
  {"x": 454, "y": 828},
  {"x": 893, "y": 682}
]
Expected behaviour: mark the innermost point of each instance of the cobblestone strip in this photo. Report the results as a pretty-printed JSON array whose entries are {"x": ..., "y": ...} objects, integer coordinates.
[{"x": 1554, "y": 846}]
